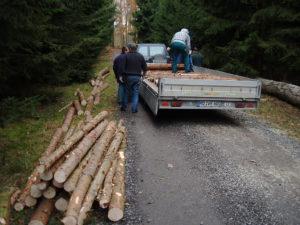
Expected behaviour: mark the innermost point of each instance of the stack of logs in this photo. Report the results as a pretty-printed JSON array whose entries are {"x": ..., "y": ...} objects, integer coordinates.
[{"x": 82, "y": 164}]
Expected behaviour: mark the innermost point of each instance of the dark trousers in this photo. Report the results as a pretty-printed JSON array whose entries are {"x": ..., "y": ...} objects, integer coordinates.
[{"x": 132, "y": 89}]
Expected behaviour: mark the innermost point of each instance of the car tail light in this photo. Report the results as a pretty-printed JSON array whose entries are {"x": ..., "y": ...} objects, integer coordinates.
[
  {"x": 240, "y": 105},
  {"x": 165, "y": 103},
  {"x": 176, "y": 103}
]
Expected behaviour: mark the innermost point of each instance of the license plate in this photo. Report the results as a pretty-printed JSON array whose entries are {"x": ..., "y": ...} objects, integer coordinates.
[{"x": 214, "y": 104}]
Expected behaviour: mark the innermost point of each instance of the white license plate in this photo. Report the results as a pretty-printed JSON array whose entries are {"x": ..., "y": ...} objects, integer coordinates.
[{"x": 214, "y": 104}]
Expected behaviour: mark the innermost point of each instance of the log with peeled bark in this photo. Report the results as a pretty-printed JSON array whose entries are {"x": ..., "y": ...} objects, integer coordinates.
[
  {"x": 30, "y": 201},
  {"x": 42, "y": 185},
  {"x": 117, "y": 202},
  {"x": 163, "y": 66},
  {"x": 61, "y": 204},
  {"x": 69, "y": 133},
  {"x": 81, "y": 98},
  {"x": 98, "y": 93},
  {"x": 54, "y": 142},
  {"x": 35, "y": 192},
  {"x": 103, "y": 72},
  {"x": 100, "y": 176},
  {"x": 97, "y": 88},
  {"x": 68, "y": 144},
  {"x": 70, "y": 184},
  {"x": 89, "y": 106},
  {"x": 104, "y": 195},
  {"x": 57, "y": 184},
  {"x": 68, "y": 119},
  {"x": 287, "y": 92},
  {"x": 65, "y": 170},
  {"x": 77, "y": 106},
  {"x": 87, "y": 175},
  {"x": 50, "y": 192},
  {"x": 49, "y": 174},
  {"x": 43, "y": 212}
]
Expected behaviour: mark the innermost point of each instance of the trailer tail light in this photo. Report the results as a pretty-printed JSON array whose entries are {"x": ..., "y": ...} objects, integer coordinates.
[
  {"x": 165, "y": 104},
  {"x": 240, "y": 105},
  {"x": 250, "y": 105},
  {"x": 176, "y": 103}
]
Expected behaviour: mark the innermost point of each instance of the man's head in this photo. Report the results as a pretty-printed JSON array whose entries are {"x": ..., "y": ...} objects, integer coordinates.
[
  {"x": 124, "y": 50},
  {"x": 185, "y": 30},
  {"x": 132, "y": 47}
]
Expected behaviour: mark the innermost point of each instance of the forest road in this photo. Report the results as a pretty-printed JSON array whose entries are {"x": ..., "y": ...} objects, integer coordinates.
[{"x": 209, "y": 167}]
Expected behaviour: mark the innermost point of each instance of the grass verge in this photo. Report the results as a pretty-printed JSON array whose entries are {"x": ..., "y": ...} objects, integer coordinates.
[
  {"x": 280, "y": 114},
  {"x": 22, "y": 142}
]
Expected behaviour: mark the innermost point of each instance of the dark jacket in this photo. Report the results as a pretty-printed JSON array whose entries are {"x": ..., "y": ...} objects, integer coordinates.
[
  {"x": 134, "y": 64},
  {"x": 118, "y": 64}
]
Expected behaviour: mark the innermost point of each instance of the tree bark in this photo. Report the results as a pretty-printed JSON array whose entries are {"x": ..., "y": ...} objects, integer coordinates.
[
  {"x": 89, "y": 106},
  {"x": 104, "y": 196},
  {"x": 68, "y": 144},
  {"x": 77, "y": 106},
  {"x": 42, "y": 213},
  {"x": 70, "y": 184},
  {"x": 81, "y": 97},
  {"x": 69, "y": 133},
  {"x": 65, "y": 170},
  {"x": 68, "y": 119},
  {"x": 87, "y": 175},
  {"x": 98, "y": 180},
  {"x": 287, "y": 92},
  {"x": 117, "y": 202}
]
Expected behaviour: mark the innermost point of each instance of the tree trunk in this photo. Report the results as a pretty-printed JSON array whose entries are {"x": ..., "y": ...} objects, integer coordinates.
[
  {"x": 81, "y": 97},
  {"x": 87, "y": 175},
  {"x": 30, "y": 201},
  {"x": 70, "y": 184},
  {"x": 68, "y": 119},
  {"x": 69, "y": 133},
  {"x": 162, "y": 66},
  {"x": 89, "y": 106},
  {"x": 78, "y": 107},
  {"x": 42, "y": 213},
  {"x": 50, "y": 192},
  {"x": 68, "y": 144},
  {"x": 65, "y": 170},
  {"x": 116, "y": 206},
  {"x": 54, "y": 142},
  {"x": 104, "y": 196},
  {"x": 61, "y": 204},
  {"x": 103, "y": 72},
  {"x": 287, "y": 92},
  {"x": 98, "y": 180}
]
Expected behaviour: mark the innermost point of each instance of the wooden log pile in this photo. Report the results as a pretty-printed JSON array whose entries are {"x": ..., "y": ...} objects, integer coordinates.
[{"x": 82, "y": 162}]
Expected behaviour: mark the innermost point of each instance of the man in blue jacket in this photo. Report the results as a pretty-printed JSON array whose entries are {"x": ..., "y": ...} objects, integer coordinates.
[
  {"x": 117, "y": 67},
  {"x": 181, "y": 46},
  {"x": 134, "y": 67}
]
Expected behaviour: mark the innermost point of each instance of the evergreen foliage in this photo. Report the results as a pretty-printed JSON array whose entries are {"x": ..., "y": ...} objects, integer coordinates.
[
  {"x": 246, "y": 37},
  {"x": 51, "y": 41}
]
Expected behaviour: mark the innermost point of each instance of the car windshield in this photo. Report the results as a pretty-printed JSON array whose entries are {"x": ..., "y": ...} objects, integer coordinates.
[
  {"x": 143, "y": 50},
  {"x": 157, "y": 50}
]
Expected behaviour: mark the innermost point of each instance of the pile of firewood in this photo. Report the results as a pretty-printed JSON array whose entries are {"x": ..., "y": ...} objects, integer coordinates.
[{"x": 82, "y": 164}]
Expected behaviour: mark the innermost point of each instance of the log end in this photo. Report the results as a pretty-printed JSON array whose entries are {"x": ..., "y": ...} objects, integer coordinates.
[
  {"x": 69, "y": 220},
  {"x": 103, "y": 204},
  {"x": 60, "y": 176},
  {"x": 61, "y": 204},
  {"x": 80, "y": 112},
  {"x": 30, "y": 201},
  {"x": 68, "y": 188},
  {"x": 19, "y": 206},
  {"x": 47, "y": 175},
  {"x": 115, "y": 214},
  {"x": 35, "y": 222},
  {"x": 2, "y": 221},
  {"x": 83, "y": 102}
]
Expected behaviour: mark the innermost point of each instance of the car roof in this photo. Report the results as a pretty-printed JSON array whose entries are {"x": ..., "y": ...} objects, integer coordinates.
[{"x": 148, "y": 44}]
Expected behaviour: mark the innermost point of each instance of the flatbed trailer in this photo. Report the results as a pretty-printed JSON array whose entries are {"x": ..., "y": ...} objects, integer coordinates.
[{"x": 199, "y": 90}]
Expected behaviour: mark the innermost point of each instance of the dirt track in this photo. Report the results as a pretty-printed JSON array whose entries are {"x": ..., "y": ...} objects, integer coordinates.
[{"x": 210, "y": 168}]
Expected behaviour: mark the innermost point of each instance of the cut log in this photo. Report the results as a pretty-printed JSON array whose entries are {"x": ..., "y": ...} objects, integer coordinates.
[
  {"x": 57, "y": 185},
  {"x": 42, "y": 185},
  {"x": 35, "y": 192},
  {"x": 61, "y": 204},
  {"x": 89, "y": 106},
  {"x": 65, "y": 170},
  {"x": 68, "y": 119},
  {"x": 81, "y": 97},
  {"x": 14, "y": 197},
  {"x": 77, "y": 106},
  {"x": 43, "y": 212},
  {"x": 30, "y": 201},
  {"x": 50, "y": 192},
  {"x": 99, "y": 178},
  {"x": 104, "y": 196},
  {"x": 103, "y": 72},
  {"x": 54, "y": 142},
  {"x": 68, "y": 144},
  {"x": 117, "y": 202},
  {"x": 163, "y": 66},
  {"x": 92, "y": 82},
  {"x": 69, "y": 133},
  {"x": 286, "y": 92},
  {"x": 70, "y": 184},
  {"x": 87, "y": 175},
  {"x": 5, "y": 206}
]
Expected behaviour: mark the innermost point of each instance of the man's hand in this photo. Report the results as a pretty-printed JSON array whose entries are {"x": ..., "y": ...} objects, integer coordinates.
[{"x": 121, "y": 79}]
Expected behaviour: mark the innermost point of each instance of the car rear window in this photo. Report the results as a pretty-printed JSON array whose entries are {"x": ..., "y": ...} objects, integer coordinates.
[{"x": 157, "y": 50}]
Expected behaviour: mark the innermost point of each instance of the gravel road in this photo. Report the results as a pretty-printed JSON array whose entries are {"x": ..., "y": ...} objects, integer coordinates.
[{"x": 209, "y": 167}]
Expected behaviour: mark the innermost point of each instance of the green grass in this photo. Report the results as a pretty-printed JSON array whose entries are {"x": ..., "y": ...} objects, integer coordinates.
[
  {"x": 280, "y": 114},
  {"x": 23, "y": 142}
]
